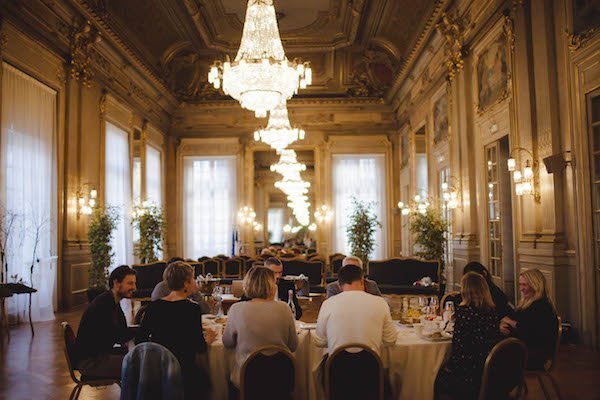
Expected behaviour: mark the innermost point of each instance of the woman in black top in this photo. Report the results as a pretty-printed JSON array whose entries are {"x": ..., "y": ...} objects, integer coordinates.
[
  {"x": 503, "y": 308},
  {"x": 175, "y": 322},
  {"x": 475, "y": 333},
  {"x": 534, "y": 321}
]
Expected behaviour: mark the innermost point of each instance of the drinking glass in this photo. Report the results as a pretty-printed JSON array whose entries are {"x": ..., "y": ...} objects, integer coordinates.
[{"x": 434, "y": 305}]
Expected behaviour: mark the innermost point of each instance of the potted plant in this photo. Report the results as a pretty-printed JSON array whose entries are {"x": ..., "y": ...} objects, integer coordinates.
[
  {"x": 361, "y": 230},
  {"x": 150, "y": 222},
  {"x": 102, "y": 225}
]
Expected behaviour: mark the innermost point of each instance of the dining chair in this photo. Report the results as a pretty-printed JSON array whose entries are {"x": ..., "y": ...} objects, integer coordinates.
[
  {"x": 454, "y": 297},
  {"x": 351, "y": 374},
  {"x": 69, "y": 349},
  {"x": 503, "y": 371},
  {"x": 549, "y": 366},
  {"x": 268, "y": 374}
]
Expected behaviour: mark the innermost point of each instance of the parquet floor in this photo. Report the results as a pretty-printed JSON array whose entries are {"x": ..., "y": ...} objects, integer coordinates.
[{"x": 35, "y": 368}]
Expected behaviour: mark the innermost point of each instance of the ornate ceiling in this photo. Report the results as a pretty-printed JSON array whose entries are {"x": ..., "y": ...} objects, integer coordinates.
[{"x": 356, "y": 47}]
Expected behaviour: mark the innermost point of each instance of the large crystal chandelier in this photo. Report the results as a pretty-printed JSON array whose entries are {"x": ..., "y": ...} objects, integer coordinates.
[
  {"x": 288, "y": 165},
  {"x": 260, "y": 77},
  {"x": 279, "y": 134}
]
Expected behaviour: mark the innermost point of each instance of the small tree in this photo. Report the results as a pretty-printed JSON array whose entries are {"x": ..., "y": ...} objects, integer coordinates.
[
  {"x": 429, "y": 228},
  {"x": 151, "y": 224},
  {"x": 102, "y": 225},
  {"x": 361, "y": 230}
]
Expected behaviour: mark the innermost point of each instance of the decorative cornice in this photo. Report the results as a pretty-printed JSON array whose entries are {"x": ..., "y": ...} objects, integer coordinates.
[
  {"x": 577, "y": 41},
  {"x": 82, "y": 39},
  {"x": 453, "y": 28},
  {"x": 294, "y": 102}
]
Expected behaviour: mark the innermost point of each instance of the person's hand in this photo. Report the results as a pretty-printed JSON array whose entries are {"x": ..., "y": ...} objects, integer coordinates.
[
  {"x": 509, "y": 322},
  {"x": 210, "y": 336},
  {"x": 504, "y": 328}
]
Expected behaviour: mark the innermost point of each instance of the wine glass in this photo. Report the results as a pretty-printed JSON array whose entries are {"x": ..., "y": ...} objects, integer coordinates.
[{"x": 434, "y": 304}]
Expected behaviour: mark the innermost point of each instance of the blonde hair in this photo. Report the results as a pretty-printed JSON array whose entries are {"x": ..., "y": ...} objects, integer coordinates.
[
  {"x": 352, "y": 260},
  {"x": 177, "y": 274},
  {"x": 259, "y": 282},
  {"x": 537, "y": 282},
  {"x": 475, "y": 291}
]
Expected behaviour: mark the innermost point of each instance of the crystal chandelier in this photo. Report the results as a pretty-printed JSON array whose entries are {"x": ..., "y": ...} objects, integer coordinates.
[
  {"x": 261, "y": 76},
  {"x": 279, "y": 134},
  {"x": 288, "y": 166}
]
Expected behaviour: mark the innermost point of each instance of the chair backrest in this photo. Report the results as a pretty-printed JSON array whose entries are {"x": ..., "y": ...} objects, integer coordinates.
[
  {"x": 268, "y": 373},
  {"x": 212, "y": 266},
  {"x": 149, "y": 275},
  {"x": 311, "y": 269},
  {"x": 197, "y": 267},
  {"x": 504, "y": 370},
  {"x": 222, "y": 257},
  {"x": 351, "y": 374},
  {"x": 151, "y": 371},
  {"x": 551, "y": 363},
  {"x": 403, "y": 271},
  {"x": 203, "y": 258},
  {"x": 335, "y": 263},
  {"x": 232, "y": 268},
  {"x": 70, "y": 350},
  {"x": 450, "y": 296}
]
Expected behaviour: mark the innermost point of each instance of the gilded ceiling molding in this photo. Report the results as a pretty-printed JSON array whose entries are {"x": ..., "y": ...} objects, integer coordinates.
[
  {"x": 453, "y": 28},
  {"x": 577, "y": 41},
  {"x": 82, "y": 39}
]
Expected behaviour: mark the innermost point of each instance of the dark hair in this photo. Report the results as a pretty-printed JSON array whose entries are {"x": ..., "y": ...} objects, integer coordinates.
[
  {"x": 478, "y": 268},
  {"x": 175, "y": 259},
  {"x": 349, "y": 274},
  {"x": 119, "y": 273},
  {"x": 272, "y": 261}
]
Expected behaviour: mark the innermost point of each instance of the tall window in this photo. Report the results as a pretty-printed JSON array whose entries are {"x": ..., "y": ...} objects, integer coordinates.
[
  {"x": 153, "y": 175},
  {"x": 362, "y": 177},
  {"x": 493, "y": 210},
  {"x": 444, "y": 176},
  {"x": 29, "y": 187},
  {"x": 209, "y": 209},
  {"x": 118, "y": 192}
]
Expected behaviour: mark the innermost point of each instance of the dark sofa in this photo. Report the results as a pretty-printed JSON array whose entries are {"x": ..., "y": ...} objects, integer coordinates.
[{"x": 397, "y": 275}]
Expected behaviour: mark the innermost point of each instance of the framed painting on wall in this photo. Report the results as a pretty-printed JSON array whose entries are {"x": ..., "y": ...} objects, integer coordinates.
[
  {"x": 440, "y": 119},
  {"x": 492, "y": 74}
]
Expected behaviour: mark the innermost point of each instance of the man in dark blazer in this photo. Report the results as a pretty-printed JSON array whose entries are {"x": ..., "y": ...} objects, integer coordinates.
[{"x": 370, "y": 286}]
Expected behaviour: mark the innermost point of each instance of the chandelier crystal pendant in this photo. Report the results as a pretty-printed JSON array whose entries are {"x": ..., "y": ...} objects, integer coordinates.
[
  {"x": 288, "y": 165},
  {"x": 261, "y": 76},
  {"x": 279, "y": 134}
]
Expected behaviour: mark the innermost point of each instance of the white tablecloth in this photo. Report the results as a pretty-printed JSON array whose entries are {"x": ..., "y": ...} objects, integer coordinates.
[{"x": 412, "y": 364}]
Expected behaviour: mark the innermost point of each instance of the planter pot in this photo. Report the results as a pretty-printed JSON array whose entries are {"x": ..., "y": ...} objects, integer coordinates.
[{"x": 92, "y": 293}]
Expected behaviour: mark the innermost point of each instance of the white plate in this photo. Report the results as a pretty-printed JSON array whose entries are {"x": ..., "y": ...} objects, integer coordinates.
[{"x": 435, "y": 338}]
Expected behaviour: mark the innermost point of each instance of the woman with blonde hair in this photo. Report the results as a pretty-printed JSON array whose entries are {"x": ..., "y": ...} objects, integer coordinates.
[
  {"x": 534, "y": 321},
  {"x": 475, "y": 333},
  {"x": 259, "y": 322}
]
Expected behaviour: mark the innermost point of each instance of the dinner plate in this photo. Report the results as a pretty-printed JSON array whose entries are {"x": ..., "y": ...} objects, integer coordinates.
[{"x": 435, "y": 338}]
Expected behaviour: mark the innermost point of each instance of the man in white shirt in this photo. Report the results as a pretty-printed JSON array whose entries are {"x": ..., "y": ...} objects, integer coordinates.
[{"x": 354, "y": 316}]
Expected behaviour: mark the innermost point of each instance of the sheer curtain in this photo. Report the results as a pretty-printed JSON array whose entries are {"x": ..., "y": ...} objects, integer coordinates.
[
  {"x": 137, "y": 190},
  {"x": 209, "y": 209},
  {"x": 275, "y": 218},
  {"x": 118, "y": 192},
  {"x": 29, "y": 187},
  {"x": 153, "y": 176},
  {"x": 363, "y": 177}
]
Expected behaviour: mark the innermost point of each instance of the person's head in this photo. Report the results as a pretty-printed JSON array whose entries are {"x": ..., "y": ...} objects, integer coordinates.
[
  {"x": 180, "y": 277},
  {"x": 259, "y": 283},
  {"x": 350, "y": 277},
  {"x": 352, "y": 260},
  {"x": 122, "y": 281},
  {"x": 532, "y": 286},
  {"x": 175, "y": 259},
  {"x": 478, "y": 268},
  {"x": 274, "y": 265},
  {"x": 475, "y": 291}
]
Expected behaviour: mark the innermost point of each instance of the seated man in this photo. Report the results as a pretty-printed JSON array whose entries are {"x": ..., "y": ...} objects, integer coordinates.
[
  {"x": 103, "y": 326},
  {"x": 370, "y": 286},
  {"x": 162, "y": 290},
  {"x": 354, "y": 316},
  {"x": 283, "y": 286}
]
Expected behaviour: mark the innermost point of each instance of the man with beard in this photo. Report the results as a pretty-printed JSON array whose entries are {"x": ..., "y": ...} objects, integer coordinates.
[{"x": 103, "y": 326}]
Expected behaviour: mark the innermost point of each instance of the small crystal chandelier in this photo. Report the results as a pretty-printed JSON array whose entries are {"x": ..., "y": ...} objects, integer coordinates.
[
  {"x": 279, "y": 134},
  {"x": 261, "y": 76},
  {"x": 288, "y": 166}
]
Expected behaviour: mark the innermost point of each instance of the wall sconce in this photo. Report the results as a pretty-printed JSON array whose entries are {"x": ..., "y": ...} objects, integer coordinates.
[
  {"x": 418, "y": 204},
  {"x": 323, "y": 214},
  {"x": 312, "y": 227},
  {"x": 450, "y": 193},
  {"x": 524, "y": 176},
  {"x": 85, "y": 202},
  {"x": 257, "y": 227},
  {"x": 246, "y": 215}
]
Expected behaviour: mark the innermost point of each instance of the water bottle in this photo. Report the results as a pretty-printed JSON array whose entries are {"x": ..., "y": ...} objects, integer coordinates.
[{"x": 290, "y": 303}]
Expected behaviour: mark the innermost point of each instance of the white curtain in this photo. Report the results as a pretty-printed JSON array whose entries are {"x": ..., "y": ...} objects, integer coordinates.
[
  {"x": 275, "y": 218},
  {"x": 137, "y": 190},
  {"x": 209, "y": 209},
  {"x": 117, "y": 192},
  {"x": 29, "y": 188},
  {"x": 153, "y": 176},
  {"x": 363, "y": 177}
]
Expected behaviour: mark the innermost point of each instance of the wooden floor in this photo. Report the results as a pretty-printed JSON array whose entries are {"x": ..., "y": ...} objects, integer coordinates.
[{"x": 35, "y": 368}]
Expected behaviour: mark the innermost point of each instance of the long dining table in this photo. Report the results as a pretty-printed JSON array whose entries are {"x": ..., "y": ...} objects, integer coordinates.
[{"x": 411, "y": 364}]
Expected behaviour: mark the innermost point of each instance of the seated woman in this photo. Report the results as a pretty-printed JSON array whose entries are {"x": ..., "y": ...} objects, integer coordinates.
[
  {"x": 503, "y": 308},
  {"x": 260, "y": 322},
  {"x": 176, "y": 323},
  {"x": 534, "y": 321},
  {"x": 475, "y": 333}
]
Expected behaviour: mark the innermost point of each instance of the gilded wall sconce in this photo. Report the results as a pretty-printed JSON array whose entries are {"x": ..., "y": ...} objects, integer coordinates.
[{"x": 524, "y": 174}]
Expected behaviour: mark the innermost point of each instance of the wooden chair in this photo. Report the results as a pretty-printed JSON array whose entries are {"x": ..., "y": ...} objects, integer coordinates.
[
  {"x": 268, "y": 373},
  {"x": 148, "y": 276},
  {"x": 503, "y": 372},
  {"x": 549, "y": 366},
  {"x": 354, "y": 375},
  {"x": 335, "y": 263},
  {"x": 454, "y": 297},
  {"x": 69, "y": 341},
  {"x": 211, "y": 266},
  {"x": 232, "y": 268}
]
